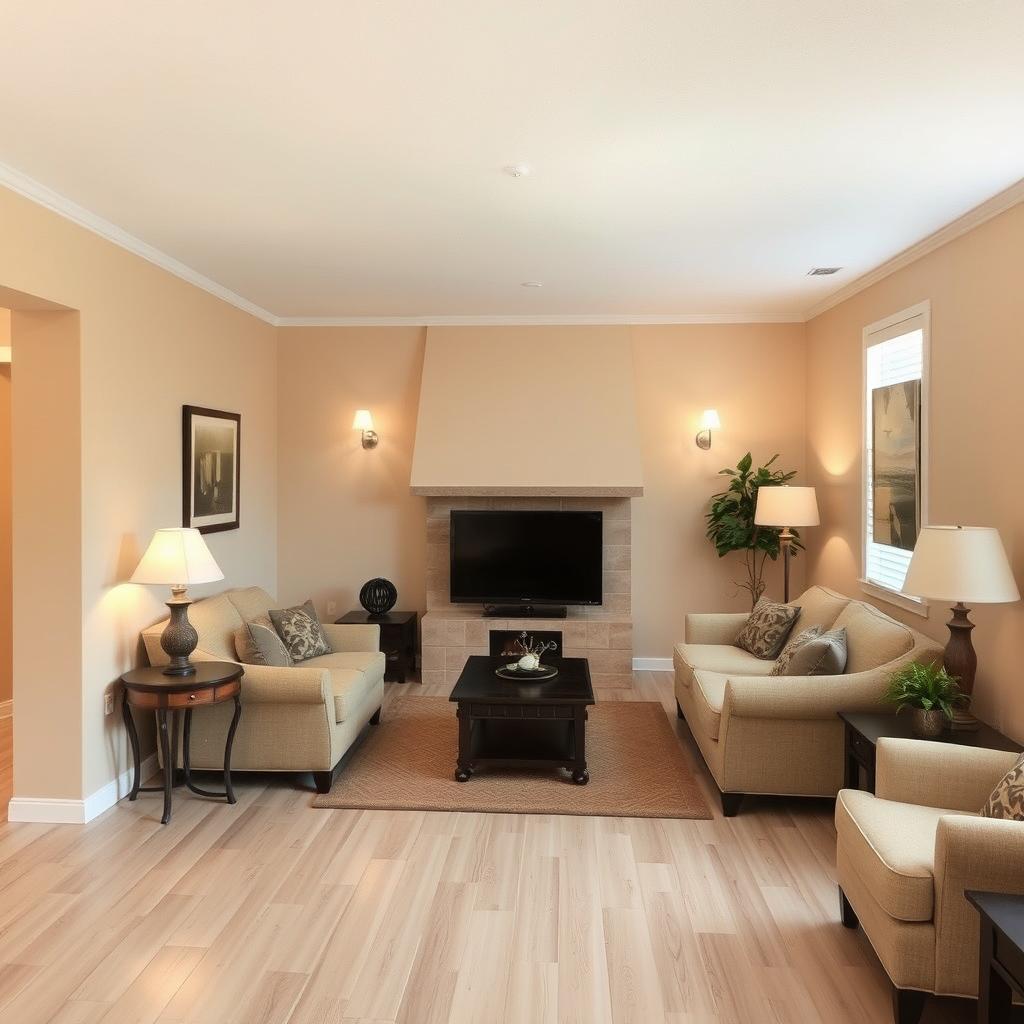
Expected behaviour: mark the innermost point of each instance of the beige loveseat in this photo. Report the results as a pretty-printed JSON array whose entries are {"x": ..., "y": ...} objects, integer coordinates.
[
  {"x": 781, "y": 734},
  {"x": 299, "y": 719},
  {"x": 906, "y": 855}
]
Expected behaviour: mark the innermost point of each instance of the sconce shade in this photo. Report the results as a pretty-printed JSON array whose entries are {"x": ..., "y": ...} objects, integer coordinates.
[
  {"x": 710, "y": 421},
  {"x": 177, "y": 556},
  {"x": 961, "y": 563},
  {"x": 362, "y": 420},
  {"x": 786, "y": 506}
]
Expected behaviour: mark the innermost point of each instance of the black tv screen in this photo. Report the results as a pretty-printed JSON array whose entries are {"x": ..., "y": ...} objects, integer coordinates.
[{"x": 526, "y": 557}]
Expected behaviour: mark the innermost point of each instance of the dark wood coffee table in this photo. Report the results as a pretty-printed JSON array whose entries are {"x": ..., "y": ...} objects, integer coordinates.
[{"x": 506, "y": 724}]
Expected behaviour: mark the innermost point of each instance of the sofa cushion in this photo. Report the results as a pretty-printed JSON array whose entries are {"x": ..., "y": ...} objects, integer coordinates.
[
  {"x": 252, "y": 603},
  {"x": 708, "y": 697},
  {"x": 823, "y": 654},
  {"x": 819, "y": 606},
  {"x": 793, "y": 644},
  {"x": 257, "y": 643},
  {"x": 872, "y": 638},
  {"x": 215, "y": 620},
  {"x": 300, "y": 629},
  {"x": 718, "y": 658},
  {"x": 1007, "y": 799},
  {"x": 353, "y": 676},
  {"x": 767, "y": 628},
  {"x": 892, "y": 848}
]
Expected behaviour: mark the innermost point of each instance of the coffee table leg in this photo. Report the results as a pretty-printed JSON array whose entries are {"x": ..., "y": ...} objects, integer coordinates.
[
  {"x": 165, "y": 750},
  {"x": 580, "y": 775},
  {"x": 465, "y": 768},
  {"x": 133, "y": 737}
]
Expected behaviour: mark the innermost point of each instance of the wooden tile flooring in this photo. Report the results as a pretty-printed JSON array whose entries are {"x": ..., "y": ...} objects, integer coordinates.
[{"x": 271, "y": 911}]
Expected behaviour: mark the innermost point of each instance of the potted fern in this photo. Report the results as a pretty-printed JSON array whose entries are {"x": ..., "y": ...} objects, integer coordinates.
[{"x": 930, "y": 693}]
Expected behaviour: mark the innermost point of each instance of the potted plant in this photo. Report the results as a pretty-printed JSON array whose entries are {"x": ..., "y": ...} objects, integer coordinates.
[
  {"x": 731, "y": 525},
  {"x": 930, "y": 692}
]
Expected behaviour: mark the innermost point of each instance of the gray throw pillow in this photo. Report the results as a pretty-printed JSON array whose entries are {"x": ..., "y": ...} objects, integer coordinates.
[
  {"x": 257, "y": 643},
  {"x": 767, "y": 628},
  {"x": 1007, "y": 799},
  {"x": 792, "y": 646},
  {"x": 300, "y": 629},
  {"x": 822, "y": 655}
]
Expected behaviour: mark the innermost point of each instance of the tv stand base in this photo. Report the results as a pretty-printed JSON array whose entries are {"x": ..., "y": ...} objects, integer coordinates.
[{"x": 525, "y": 611}]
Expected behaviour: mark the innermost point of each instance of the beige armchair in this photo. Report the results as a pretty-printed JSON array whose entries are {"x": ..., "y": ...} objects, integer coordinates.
[
  {"x": 781, "y": 734},
  {"x": 906, "y": 854},
  {"x": 299, "y": 719}
]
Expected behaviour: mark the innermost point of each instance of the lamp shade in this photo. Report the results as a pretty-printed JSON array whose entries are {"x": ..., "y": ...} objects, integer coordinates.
[
  {"x": 710, "y": 420},
  {"x": 362, "y": 420},
  {"x": 177, "y": 556},
  {"x": 961, "y": 563},
  {"x": 786, "y": 506}
]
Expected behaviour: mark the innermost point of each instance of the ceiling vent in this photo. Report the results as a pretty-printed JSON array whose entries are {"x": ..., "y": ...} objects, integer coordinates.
[{"x": 823, "y": 271}]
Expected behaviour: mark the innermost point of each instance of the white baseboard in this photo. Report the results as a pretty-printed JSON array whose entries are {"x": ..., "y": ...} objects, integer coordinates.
[
  {"x": 77, "y": 812},
  {"x": 7, "y": 708},
  {"x": 652, "y": 664}
]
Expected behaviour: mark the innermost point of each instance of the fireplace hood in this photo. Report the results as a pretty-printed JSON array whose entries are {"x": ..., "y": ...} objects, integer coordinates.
[{"x": 527, "y": 411}]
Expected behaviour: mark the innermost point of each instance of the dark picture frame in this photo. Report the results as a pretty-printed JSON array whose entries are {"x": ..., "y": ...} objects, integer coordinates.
[{"x": 211, "y": 460}]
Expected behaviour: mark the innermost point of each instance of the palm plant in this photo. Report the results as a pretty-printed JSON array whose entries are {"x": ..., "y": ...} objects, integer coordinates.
[
  {"x": 731, "y": 525},
  {"x": 926, "y": 687}
]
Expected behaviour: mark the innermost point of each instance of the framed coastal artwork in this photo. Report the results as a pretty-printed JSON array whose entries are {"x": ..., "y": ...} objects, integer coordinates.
[
  {"x": 896, "y": 464},
  {"x": 210, "y": 468}
]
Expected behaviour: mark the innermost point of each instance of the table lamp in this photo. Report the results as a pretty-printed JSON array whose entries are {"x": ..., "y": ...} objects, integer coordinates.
[
  {"x": 178, "y": 557},
  {"x": 786, "y": 506},
  {"x": 966, "y": 565}
]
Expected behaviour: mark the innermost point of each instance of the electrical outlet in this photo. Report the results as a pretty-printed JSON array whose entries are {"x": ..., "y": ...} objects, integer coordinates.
[
  {"x": 108, "y": 703},
  {"x": 332, "y": 607}
]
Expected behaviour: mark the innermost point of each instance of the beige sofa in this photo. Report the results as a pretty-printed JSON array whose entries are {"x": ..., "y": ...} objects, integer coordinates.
[
  {"x": 906, "y": 855},
  {"x": 781, "y": 734},
  {"x": 299, "y": 719}
]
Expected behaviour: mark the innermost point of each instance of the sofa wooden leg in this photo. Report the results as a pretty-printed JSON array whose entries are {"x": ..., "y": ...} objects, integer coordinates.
[
  {"x": 375, "y": 720},
  {"x": 731, "y": 804},
  {"x": 907, "y": 1005},
  {"x": 846, "y": 912},
  {"x": 679, "y": 712},
  {"x": 323, "y": 781}
]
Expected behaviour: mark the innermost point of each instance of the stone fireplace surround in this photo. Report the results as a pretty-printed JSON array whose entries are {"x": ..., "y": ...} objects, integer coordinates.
[{"x": 603, "y": 635}]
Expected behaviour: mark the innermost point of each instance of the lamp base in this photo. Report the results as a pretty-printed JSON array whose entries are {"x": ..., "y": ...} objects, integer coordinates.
[{"x": 179, "y": 638}]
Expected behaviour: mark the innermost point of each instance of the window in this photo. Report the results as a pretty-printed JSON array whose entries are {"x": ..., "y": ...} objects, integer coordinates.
[{"x": 895, "y": 353}]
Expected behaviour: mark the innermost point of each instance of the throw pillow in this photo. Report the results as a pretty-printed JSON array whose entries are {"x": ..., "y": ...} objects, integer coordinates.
[
  {"x": 1007, "y": 799},
  {"x": 767, "y": 628},
  {"x": 792, "y": 646},
  {"x": 300, "y": 629},
  {"x": 257, "y": 643},
  {"x": 822, "y": 655}
]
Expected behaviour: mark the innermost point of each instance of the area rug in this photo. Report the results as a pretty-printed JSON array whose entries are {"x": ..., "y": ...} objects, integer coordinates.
[{"x": 637, "y": 768}]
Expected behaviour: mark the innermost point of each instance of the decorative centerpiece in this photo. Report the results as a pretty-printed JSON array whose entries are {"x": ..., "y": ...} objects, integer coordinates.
[
  {"x": 529, "y": 664},
  {"x": 378, "y": 596},
  {"x": 930, "y": 693}
]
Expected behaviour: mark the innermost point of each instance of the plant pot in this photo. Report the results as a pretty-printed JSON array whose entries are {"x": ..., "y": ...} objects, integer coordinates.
[{"x": 928, "y": 725}]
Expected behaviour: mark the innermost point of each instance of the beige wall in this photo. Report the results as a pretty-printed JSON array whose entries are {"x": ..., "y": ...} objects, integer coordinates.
[
  {"x": 6, "y": 633},
  {"x": 149, "y": 343},
  {"x": 345, "y": 512},
  {"x": 977, "y": 422}
]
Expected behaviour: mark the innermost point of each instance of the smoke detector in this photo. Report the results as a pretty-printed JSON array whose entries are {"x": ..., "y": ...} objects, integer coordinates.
[
  {"x": 531, "y": 284},
  {"x": 518, "y": 170},
  {"x": 823, "y": 271}
]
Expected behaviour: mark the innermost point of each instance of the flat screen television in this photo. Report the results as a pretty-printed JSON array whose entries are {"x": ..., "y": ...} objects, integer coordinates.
[{"x": 526, "y": 558}]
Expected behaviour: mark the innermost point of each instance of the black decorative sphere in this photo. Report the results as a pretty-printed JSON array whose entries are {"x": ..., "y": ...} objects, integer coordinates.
[{"x": 378, "y": 596}]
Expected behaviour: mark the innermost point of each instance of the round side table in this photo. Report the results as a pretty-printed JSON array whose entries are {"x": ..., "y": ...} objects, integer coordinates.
[{"x": 213, "y": 682}]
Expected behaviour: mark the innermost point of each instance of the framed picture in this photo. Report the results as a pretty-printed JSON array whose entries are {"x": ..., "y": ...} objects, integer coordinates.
[
  {"x": 210, "y": 468},
  {"x": 896, "y": 464}
]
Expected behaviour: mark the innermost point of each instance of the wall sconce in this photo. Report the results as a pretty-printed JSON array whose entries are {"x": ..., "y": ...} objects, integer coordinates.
[
  {"x": 364, "y": 421},
  {"x": 709, "y": 421}
]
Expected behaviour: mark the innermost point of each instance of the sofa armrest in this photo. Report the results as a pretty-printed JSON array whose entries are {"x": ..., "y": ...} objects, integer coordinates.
[
  {"x": 714, "y": 627},
  {"x": 815, "y": 697},
  {"x": 264, "y": 684},
  {"x": 349, "y": 638},
  {"x": 938, "y": 774}
]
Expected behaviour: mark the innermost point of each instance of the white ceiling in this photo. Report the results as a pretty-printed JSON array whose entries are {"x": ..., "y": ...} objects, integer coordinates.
[{"x": 691, "y": 157}]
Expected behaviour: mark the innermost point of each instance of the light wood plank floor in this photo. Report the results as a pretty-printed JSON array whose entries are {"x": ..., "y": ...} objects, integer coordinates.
[{"x": 271, "y": 911}]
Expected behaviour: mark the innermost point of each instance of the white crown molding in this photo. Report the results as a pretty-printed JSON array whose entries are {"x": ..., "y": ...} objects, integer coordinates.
[
  {"x": 998, "y": 204},
  {"x": 540, "y": 320},
  {"x": 29, "y": 188}
]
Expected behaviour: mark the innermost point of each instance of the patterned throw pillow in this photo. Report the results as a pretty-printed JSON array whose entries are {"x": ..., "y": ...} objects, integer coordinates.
[
  {"x": 1007, "y": 799},
  {"x": 300, "y": 629},
  {"x": 767, "y": 628},
  {"x": 792, "y": 646},
  {"x": 822, "y": 655},
  {"x": 257, "y": 643}
]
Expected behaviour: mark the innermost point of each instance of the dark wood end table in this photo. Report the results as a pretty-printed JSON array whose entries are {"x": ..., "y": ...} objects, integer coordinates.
[
  {"x": 864, "y": 730},
  {"x": 1001, "y": 954},
  {"x": 398, "y": 637},
  {"x": 213, "y": 682},
  {"x": 507, "y": 724}
]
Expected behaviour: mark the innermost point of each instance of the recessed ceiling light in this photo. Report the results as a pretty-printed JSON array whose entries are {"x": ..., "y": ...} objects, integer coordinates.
[
  {"x": 518, "y": 170},
  {"x": 531, "y": 284},
  {"x": 823, "y": 271}
]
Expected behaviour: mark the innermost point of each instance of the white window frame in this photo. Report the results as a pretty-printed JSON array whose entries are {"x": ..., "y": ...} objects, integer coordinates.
[{"x": 917, "y": 317}]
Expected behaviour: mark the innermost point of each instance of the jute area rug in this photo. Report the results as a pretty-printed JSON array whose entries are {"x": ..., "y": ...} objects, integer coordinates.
[{"x": 637, "y": 768}]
